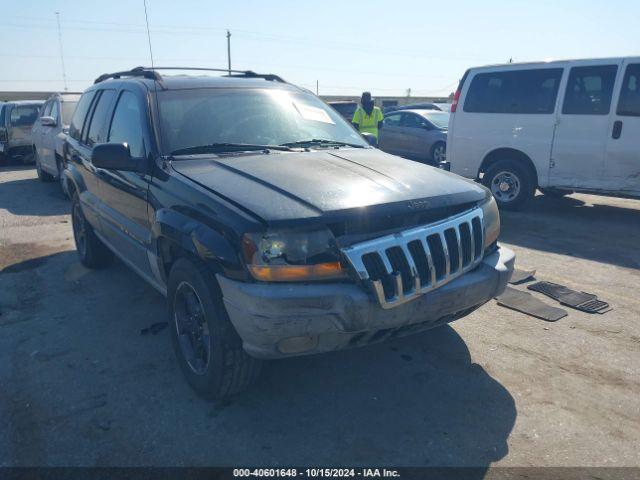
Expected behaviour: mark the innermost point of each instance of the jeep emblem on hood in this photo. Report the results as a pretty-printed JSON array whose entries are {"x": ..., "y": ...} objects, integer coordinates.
[{"x": 418, "y": 204}]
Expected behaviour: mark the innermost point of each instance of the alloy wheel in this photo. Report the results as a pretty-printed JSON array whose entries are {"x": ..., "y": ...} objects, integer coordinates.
[{"x": 192, "y": 328}]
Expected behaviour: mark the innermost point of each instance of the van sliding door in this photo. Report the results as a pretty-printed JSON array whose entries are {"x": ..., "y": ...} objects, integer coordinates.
[
  {"x": 577, "y": 159},
  {"x": 622, "y": 166}
]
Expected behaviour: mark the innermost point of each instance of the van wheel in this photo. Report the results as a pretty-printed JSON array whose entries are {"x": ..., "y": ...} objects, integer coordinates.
[
  {"x": 92, "y": 252},
  {"x": 207, "y": 346},
  {"x": 42, "y": 175},
  {"x": 439, "y": 152},
  {"x": 510, "y": 183}
]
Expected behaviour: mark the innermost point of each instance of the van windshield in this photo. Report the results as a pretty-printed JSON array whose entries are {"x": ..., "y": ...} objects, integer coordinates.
[{"x": 190, "y": 118}]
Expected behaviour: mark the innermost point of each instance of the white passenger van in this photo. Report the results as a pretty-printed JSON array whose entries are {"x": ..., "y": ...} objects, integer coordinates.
[{"x": 559, "y": 126}]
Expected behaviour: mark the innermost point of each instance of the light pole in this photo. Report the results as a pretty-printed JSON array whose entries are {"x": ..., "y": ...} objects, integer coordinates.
[
  {"x": 229, "y": 50},
  {"x": 64, "y": 73}
]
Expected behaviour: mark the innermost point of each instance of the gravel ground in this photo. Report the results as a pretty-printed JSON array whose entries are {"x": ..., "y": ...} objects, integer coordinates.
[{"x": 80, "y": 385}]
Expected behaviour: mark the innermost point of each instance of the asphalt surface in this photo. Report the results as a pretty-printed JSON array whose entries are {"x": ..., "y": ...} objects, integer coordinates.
[{"x": 80, "y": 384}]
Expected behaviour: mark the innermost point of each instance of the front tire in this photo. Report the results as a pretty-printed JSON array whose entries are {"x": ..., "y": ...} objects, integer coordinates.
[
  {"x": 92, "y": 252},
  {"x": 207, "y": 346},
  {"x": 511, "y": 184}
]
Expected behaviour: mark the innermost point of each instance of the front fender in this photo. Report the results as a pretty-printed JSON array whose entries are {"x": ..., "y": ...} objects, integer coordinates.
[{"x": 197, "y": 238}]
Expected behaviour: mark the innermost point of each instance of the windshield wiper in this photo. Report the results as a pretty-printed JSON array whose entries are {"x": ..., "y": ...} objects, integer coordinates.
[
  {"x": 320, "y": 141},
  {"x": 227, "y": 147}
]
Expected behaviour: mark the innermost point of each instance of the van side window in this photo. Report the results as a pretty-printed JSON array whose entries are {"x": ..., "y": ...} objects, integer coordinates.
[
  {"x": 75, "y": 129},
  {"x": 589, "y": 90},
  {"x": 531, "y": 91},
  {"x": 126, "y": 126},
  {"x": 629, "y": 103}
]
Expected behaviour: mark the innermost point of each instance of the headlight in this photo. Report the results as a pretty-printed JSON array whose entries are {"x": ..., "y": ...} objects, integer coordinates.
[
  {"x": 290, "y": 256},
  {"x": 491, "y": 221}
]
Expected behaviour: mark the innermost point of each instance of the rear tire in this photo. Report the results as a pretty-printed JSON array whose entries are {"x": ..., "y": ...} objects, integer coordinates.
[
  {"x": 42, "y": 175},
  {"x": 207, "y": 347},
  {"x": 61, "y": 180},
  {"x": 92, "y": 252},
  {"x": 511, "y": 184}
]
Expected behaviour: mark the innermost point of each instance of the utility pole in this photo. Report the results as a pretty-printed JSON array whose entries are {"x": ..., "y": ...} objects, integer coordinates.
[
  {"x": 229, "y": 50},
  {"x": 317, "y": 88},
  {"x": 64, "y": 73}
]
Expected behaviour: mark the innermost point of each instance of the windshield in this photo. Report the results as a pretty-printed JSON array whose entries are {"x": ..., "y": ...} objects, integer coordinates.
[
  {"x": 24, "y": 115},
  {"x": 248, "y": 116},
  {"x": 439, "y": 119},
  {"x": 68, "y": 108}
]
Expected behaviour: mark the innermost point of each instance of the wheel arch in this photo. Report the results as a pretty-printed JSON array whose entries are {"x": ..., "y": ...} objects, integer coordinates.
[
  {"x": 175, "y": 235},
  {"x": 507, "y": 153}
]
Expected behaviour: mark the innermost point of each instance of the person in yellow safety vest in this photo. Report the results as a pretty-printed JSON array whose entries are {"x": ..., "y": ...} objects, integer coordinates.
[{"x": 367, "y": 117}]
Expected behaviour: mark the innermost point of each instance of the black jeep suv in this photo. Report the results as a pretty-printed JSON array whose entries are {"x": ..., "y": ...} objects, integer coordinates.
[{"x": 270, "y": 225}]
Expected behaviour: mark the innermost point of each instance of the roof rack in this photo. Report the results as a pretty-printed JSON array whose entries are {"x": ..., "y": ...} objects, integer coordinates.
[{"x": 152, "y": 74}]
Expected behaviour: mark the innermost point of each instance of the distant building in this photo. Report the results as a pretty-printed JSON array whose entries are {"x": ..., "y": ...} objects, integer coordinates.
[{"x": 383, "y": 102}]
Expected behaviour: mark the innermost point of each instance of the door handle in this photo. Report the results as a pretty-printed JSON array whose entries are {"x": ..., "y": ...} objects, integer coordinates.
[{"x": 617, "y": 129}]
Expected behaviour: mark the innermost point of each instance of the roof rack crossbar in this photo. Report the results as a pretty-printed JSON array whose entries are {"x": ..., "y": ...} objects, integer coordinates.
[
  {"x": 134, "y": 72},
  {"x": 152, "y": 74}
]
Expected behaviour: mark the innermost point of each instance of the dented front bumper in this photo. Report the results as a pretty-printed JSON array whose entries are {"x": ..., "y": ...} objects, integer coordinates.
[{"x": 280, "y": 320}]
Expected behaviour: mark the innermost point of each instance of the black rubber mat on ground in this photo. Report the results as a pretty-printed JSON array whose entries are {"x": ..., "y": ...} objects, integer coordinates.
[
  {"x": 521, "y": 276},
  {"x": 526, "y": 303},
  {"x": 586, "y": 302}
]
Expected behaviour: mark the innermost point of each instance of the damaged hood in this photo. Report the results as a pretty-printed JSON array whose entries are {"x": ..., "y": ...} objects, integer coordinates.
[{"x": 282, "y": 186}]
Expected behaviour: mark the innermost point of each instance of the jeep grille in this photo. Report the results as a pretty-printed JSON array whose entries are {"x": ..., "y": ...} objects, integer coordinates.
[{"x": 402, "y": 266}]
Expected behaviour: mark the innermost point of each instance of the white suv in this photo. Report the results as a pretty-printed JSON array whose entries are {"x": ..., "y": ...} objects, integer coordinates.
[
  {"x": 559, "y": 126},
  {"x": 48, "y": 135}
]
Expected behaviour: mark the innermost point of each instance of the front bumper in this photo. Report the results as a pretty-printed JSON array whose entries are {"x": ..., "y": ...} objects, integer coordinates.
[{"x": 281, "y": 320}]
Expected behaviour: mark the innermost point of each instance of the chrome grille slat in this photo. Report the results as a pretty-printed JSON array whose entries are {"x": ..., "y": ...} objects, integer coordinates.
[{"x": 392, "y": 290}]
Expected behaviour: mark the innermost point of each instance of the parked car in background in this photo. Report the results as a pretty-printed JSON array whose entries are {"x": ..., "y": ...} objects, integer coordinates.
[
  {"x": 48, "y": 135},
  {"x": 16, "y": 120},
  {"x": 445, "y": 107},
  {"x": 559, "y": 126},
  {"x": 345, "y": 108},
  {"x": 412, "y": 106},
  {"x": 416, "y": 134},
  {"x": 269, "y": 223}
]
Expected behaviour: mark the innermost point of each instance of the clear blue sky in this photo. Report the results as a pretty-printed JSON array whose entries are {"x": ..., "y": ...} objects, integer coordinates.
[{"x": 348, "y": 46}]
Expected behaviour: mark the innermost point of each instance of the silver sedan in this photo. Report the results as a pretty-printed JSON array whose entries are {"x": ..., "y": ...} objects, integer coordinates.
[{"x": 416, "y": 134}]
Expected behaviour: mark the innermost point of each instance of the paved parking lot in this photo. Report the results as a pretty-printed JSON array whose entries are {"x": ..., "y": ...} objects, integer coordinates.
[{"x": 79, "y": 384}]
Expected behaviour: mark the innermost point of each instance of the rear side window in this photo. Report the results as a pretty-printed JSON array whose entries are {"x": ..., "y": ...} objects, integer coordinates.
[
  {"x": 514, "y": 91},
  {"x": 589, "y": 90},
  {"x": 126, "y": 126},
  {"x": 629, "y": 103},
  {"x": 97, "y": 130},
  {"x": 75, "y": 129}
]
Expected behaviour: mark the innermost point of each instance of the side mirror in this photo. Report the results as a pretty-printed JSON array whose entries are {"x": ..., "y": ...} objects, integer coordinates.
[
  {"x": 48, "y": 121},
  {"x": 370, "y": 138},
  {"x": 113, "y": 156}
]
